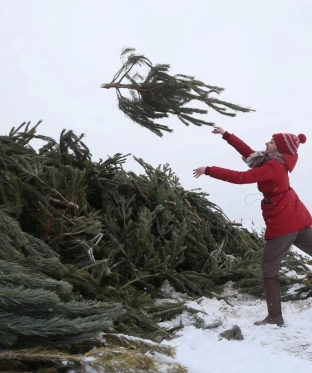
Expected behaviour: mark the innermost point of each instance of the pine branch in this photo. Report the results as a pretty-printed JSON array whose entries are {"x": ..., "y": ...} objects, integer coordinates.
[
  {"x": 159, "y": 94},
  {"x": 139, "y": 189}
]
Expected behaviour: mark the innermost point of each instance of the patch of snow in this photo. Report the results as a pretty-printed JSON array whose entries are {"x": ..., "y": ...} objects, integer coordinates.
[{"x": 264, "y": 348}]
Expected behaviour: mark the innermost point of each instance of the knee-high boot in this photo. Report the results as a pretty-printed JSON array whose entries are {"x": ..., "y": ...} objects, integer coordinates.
[{"x": 272, "y": 296}]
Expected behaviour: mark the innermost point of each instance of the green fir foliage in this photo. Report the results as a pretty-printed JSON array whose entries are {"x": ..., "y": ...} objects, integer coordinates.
[
  {"x": 87, "y": 249},
  {"x": 155, "y": 94},
  {"x": 235, "y": 333}
]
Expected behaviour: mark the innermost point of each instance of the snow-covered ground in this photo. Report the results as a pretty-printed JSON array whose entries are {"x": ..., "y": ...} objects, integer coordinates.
[{"x": 264, "y": 348}]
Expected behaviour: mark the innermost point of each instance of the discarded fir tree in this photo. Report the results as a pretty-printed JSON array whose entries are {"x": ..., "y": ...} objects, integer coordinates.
[{"x": 155, "y": 94}]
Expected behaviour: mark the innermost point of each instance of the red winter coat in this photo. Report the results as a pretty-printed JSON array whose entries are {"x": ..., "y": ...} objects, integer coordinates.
[{"x": 282, "y": 210}]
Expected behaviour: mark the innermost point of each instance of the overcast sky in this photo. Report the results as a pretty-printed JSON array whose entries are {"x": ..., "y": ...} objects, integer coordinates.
[{"x": 54, "y": 55}]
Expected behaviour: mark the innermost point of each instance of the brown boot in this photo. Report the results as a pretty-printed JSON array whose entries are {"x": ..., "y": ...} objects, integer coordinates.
[
  {"x": 278, "y": 320},
  {"x": 272, "y": 296}
]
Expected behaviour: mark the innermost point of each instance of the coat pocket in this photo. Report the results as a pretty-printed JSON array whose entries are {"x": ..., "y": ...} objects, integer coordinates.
[{"x": 267, "y": 207}]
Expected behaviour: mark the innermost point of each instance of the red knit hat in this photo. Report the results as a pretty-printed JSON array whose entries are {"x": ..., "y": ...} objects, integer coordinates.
[{"x": 288, "y": 143}]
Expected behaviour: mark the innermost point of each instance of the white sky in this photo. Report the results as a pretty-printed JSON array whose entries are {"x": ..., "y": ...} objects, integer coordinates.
[{"x": 54, "y": 55}]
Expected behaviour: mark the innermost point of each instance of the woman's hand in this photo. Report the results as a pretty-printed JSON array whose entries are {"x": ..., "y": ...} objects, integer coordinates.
[
  {"x": 219, "y": 130},
  {"x": 199, "y": 171}
]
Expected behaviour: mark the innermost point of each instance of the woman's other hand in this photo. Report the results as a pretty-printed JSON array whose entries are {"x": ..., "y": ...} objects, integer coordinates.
[
  {"x": 199, "y": 171},
  {"x": 218, "y": 130}
]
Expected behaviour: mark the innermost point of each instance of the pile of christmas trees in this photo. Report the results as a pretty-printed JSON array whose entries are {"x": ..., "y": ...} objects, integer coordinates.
[{"x": 86, "y": 248}]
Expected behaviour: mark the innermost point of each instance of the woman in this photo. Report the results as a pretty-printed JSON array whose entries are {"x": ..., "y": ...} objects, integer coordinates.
[{"x": 288, "y": 222}]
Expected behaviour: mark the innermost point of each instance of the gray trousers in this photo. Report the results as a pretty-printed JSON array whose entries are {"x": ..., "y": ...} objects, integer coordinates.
[{"x": 276, "y": 249}]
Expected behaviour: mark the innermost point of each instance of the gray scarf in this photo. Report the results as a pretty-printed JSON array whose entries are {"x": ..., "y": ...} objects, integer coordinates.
[{"x": 259, "y": 157}]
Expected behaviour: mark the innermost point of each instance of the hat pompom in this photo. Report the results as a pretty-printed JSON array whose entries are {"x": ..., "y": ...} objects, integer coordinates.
[{"x": 302, "y": 138}]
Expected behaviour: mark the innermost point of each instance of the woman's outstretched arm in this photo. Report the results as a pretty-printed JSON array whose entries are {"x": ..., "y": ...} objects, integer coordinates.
[
  {"x": 234, "y": 141},
  {"x": 268, "y": 172}
]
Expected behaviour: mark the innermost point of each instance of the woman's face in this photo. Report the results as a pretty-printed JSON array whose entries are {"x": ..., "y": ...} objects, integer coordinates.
[{"x": 271, "y": 146}]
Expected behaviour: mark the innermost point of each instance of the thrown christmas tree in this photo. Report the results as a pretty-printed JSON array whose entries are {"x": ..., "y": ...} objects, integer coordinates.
[{"x": 158, "y": 94}]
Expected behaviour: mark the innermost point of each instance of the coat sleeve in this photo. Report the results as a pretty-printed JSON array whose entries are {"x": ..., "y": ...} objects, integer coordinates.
[
  {"x": 266, "y": 172},
  {"x": 238, "y": 144}
]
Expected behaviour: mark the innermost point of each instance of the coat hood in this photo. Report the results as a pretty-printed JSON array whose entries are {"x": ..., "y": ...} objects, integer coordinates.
[{"x": 290, "y": 161}]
